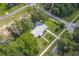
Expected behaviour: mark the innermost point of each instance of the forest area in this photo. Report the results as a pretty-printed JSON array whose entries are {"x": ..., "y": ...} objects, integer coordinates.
[
  {"x": 69, "y": 44},
  {"x": 61, "y": 9}
]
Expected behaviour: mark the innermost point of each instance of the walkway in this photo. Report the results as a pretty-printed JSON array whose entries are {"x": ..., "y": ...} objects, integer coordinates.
[
  {"x": 45, "y": 39},
  {"x": 52, "y": 43}
]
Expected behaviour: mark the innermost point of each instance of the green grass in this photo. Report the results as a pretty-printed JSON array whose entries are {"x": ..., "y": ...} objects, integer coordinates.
[
  {"x": 3, "y": 9},
  {"x": 52, "y": 26},
  {"x": 49, "y": 37}
]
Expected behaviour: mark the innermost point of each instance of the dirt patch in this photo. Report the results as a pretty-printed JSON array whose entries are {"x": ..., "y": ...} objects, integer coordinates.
[{"x": 4, "y": 32}]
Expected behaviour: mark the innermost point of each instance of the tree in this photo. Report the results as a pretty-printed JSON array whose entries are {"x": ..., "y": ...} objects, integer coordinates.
[
  {"x": 62, "y": 10},
  {"x": 25, "y": 24},
  {"x": 56, "y": 11},
  {"x": 46, "y": 6},
  {"x": 38, "y": 14},
  {"x": 61, "y": 25}
]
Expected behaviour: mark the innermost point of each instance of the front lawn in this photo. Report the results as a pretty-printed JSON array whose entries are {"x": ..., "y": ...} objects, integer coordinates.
[{"x": 53, "y": 27}]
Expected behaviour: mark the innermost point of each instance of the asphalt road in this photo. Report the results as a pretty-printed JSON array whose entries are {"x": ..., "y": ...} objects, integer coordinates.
[
  {"x": 55, "y": 17},
  {"x": 59, "y": 19}
]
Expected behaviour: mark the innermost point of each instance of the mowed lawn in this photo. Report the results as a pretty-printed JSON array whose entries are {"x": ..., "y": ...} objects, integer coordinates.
[{"x": 53, "y": 27}]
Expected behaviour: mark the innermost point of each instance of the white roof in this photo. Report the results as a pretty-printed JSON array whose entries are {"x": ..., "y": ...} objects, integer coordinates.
[{"x": 38, "y": 30}]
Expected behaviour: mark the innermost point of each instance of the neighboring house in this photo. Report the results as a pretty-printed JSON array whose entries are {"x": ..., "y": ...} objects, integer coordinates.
[{"x": 39, "y": 29}]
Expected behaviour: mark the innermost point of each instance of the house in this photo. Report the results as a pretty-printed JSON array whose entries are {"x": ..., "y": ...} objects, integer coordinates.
[{"x": 39, "y": 29}]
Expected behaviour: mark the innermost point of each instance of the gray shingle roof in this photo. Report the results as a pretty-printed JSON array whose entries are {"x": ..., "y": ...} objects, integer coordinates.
[{"x": 39, "y": 30}]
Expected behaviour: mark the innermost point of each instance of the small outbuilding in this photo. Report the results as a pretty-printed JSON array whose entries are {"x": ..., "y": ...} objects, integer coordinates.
[{"x": 39, "y": 29}]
